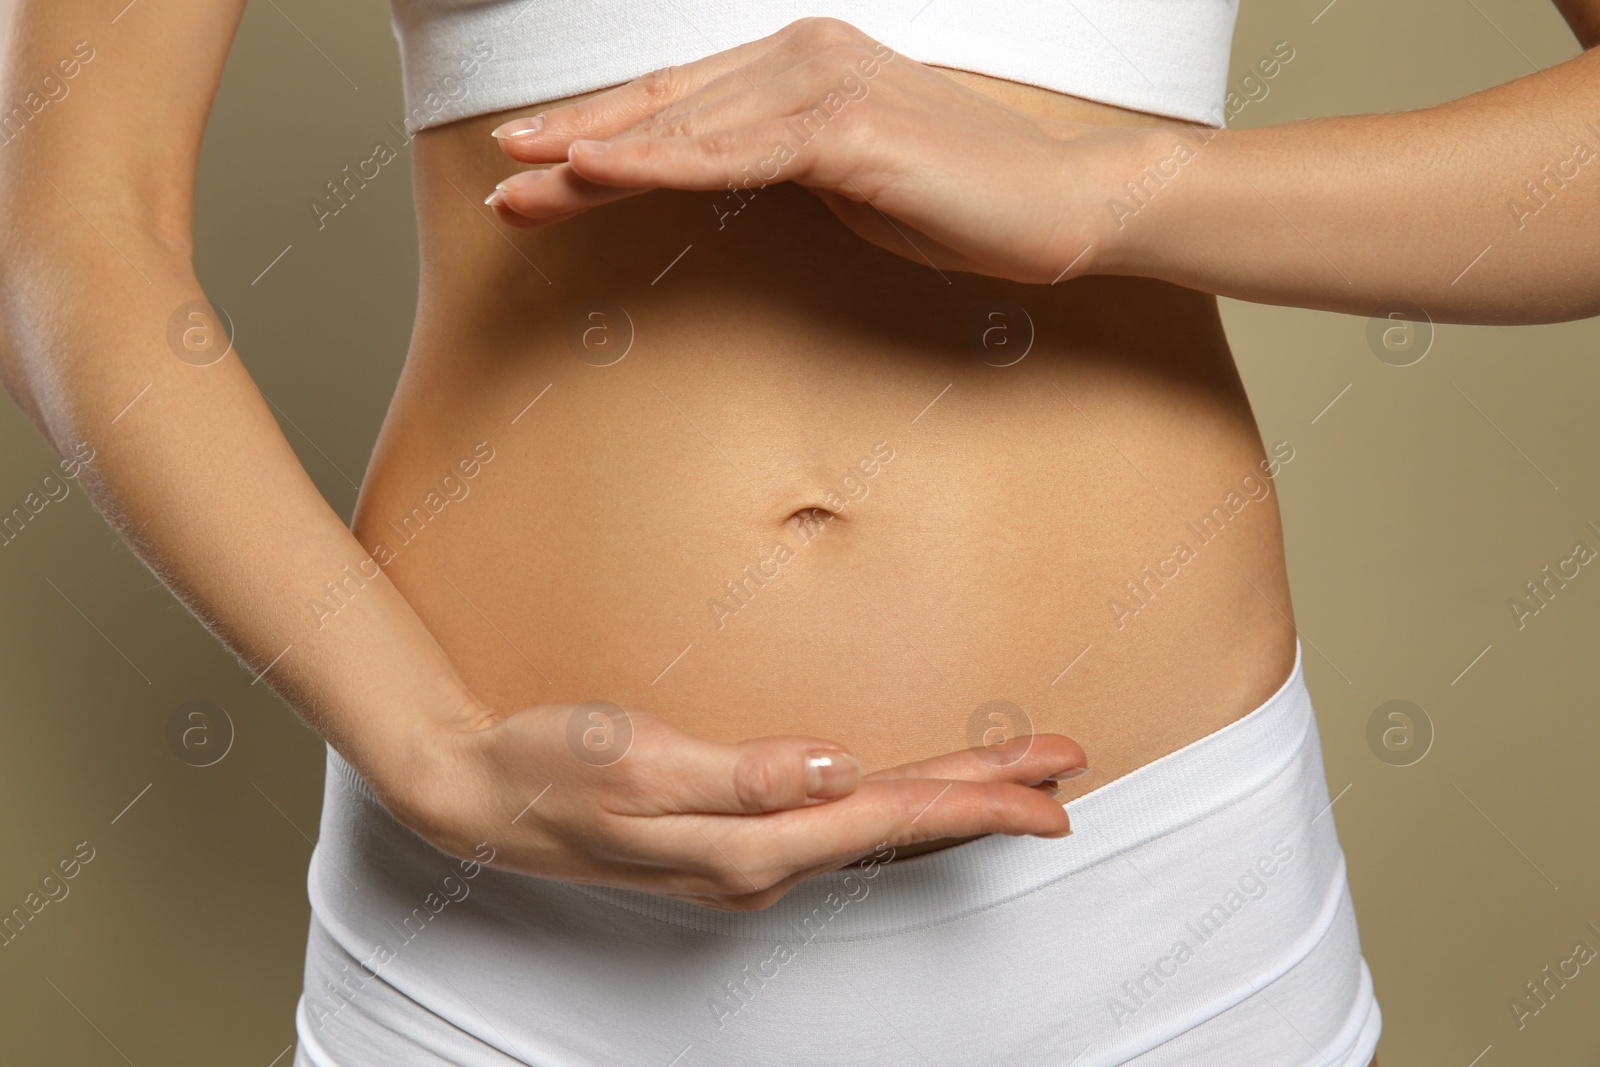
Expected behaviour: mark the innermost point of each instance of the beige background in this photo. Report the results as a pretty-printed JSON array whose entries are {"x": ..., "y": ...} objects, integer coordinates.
[{"x": 1417, "y": 504}]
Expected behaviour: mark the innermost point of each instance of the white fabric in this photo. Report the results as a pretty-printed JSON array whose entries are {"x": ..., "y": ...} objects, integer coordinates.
[
  {"x": 1169, "y": 57},
  {"x": 1198, "y": 915}
]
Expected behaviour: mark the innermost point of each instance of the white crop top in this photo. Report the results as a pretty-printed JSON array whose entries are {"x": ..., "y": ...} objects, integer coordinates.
[{"x": 470, "y": 57}]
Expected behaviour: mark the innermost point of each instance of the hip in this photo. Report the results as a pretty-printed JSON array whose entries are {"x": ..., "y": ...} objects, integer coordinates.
[{"x": 1198, "y": 914}]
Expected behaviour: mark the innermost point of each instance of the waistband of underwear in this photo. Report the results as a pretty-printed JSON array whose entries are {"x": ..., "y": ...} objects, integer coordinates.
[{"x": 1160, "y": 798}]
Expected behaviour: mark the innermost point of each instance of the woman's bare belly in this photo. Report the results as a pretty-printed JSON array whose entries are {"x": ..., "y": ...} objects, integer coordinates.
[{"x": 595, "y": 478}]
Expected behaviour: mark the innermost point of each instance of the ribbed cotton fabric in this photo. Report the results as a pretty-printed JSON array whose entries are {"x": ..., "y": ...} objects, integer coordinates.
[
  {"x": 1198, "y": 915},
  {"x": 469, "y": 57}
]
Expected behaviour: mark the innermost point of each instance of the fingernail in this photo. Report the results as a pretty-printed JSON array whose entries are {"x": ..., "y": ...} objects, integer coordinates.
[
  {"x": 521, "y": 180},
  {"x": 830, "y": 773},
  {"x": 519, "y": 128},
  {"x": 589, "y": 147},
  {"x": 1058, "y": 834},
  {"x": 1067, "y": 776},
  {"x": 1049, "y": 788},
  {"x": 496, "y": 198}
]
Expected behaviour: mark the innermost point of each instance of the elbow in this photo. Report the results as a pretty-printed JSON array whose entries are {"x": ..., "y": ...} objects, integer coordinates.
[{"x": 54, "y": 297}]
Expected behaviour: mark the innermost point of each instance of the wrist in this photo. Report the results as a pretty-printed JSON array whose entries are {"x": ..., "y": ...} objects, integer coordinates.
[
  {"x": 1129, "y": 188},
  {"x": 410, "y": 755}
]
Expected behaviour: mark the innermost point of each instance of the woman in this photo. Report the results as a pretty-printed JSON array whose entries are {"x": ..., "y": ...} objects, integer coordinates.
[{"x": 713, "y": 457}]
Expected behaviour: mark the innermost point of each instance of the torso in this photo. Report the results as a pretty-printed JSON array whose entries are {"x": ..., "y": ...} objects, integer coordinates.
[{"x": 775, "y": 367}]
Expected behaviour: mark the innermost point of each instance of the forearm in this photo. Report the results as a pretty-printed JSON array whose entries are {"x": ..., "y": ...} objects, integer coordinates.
[
  {"x": 190, "y": 467},
  {"x": 1481, "y": 210}
]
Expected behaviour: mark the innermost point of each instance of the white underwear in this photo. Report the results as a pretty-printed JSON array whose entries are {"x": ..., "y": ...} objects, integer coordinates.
[{"x": 1197, "y": 915}]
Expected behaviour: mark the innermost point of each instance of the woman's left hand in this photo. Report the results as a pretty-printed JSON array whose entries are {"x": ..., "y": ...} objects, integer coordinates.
[{"x": 906, "y": 157}]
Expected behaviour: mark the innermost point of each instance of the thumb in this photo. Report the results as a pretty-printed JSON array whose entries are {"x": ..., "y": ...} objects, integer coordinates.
[
  {"x": 759, "y": 775},
  {"x": 901, "y": 238}
]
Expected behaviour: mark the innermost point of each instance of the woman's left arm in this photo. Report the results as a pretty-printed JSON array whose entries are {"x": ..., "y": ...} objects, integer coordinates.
[{"x": 1481, "y": 210}]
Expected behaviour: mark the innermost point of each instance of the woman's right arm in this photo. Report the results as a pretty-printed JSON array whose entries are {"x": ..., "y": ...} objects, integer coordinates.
[{"x": 96, "y": 190}]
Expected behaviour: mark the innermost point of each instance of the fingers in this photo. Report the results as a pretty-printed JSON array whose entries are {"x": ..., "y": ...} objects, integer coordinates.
[
  {"x": 643, "y": 804},
  {"x": 601, "y": 172},
  {"x": 776, "y": 773},
  {"x": 781, "y": 133},
  {"x": 1025, "y": 760},
  {"x": 732, "y": 138},
  {"x": 742, "y": 115},
  {"x": 869, "y": 223},
  {"x": 909, "y": 811},
  {"x": 762, "y": 153},
  {"x": 544, "y": 138},
  {"x": 642, "y": 766},
  {"x": 740, "y": 856},
  {"x": 766, "y": 774},
  {"x": 550, "y": 195}
]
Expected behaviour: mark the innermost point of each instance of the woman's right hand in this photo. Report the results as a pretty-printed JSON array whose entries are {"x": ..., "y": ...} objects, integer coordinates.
[{"x": 595, "y": 794}]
